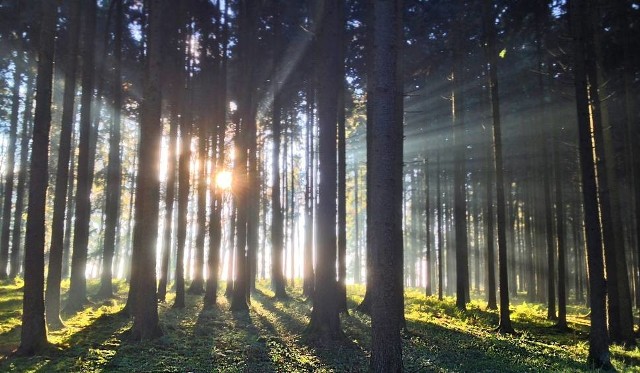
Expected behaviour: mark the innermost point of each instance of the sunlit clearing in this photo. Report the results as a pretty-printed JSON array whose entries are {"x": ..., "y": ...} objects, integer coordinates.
[{"x": 223, "y": 180}]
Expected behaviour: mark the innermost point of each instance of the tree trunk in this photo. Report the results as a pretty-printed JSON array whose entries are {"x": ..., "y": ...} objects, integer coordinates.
[
  {"x": 459, "y": 195},
  {"x": 505, "y": 320},
  {"x": 386, "y": 190},
  {"x": 33, "y": 334},
  {"x": 114, "y": 171},
  {"x": 598, "y": 339},
  {"x": 145, "y": 310},
  {"x": 245, "y": 135},
  {"x": 325, "y": 321},
  {"x": 77, "y": 296},
  {"x": 64, "y": 183}
]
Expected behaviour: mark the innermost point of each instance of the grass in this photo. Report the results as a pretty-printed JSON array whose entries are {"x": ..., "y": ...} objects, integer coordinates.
[{"x": 270, "y": 338}]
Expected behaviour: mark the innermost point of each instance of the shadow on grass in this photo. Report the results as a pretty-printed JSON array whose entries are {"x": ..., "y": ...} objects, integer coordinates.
[
  {"x": 343, "y": 356},
  {"x": 80, "y": 352},
  {"x": 428, "y": 346}
]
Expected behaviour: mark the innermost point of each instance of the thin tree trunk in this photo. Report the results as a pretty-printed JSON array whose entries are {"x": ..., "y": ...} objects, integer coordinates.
[
  {"x": 308, "y": 275},
  {"x": 114, "y": 171},
  {"x": 10, "y": 165},
  {"x": 505, "y": 320},
  {"x": 77, "y": 295}
]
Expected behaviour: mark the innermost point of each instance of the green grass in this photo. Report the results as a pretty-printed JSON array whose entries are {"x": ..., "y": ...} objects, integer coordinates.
[{"x": 271, "y": 338}]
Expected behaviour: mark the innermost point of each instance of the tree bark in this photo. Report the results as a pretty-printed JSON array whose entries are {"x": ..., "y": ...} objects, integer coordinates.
[
  {"x": 145, "y": 309},
  {"x": 114, "y": 171},
  {"x": 505, "y": 320},
  {"x": 325, "y": 321},
  {"x": 386, "y": 190},
  {"x": 598, "y": 339},
  {"x": 33, "y": 334},
  {"x": 77, "y": 295}
]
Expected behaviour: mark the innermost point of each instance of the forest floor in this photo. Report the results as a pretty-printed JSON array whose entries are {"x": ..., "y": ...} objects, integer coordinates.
[{"x": 271, "y": 338}]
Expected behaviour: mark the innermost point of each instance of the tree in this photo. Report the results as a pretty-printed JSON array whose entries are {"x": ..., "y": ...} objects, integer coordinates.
[
  {"x": 598, "y": 338},
  {"x": 77, "y": 296},
  {"x": 386, "y": 189},
  {"x": 492, "y": 57},
  {"x": 114, "y": 171},
  {"x": 56, "y": 249},
  {"x": 277, "y": 233},
  {"x": 325, "y": 321},
  {"x": 145, "y": 307},
  {"x": 33, "y": 335},
  {"x": 459, "y": 195},
  {"x": 184, "y": 160},
  {"x": 247, "y": 18}
]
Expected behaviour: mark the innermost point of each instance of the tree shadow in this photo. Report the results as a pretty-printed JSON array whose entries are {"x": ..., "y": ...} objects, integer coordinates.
[
  {"x": 81, "y": 349},
  {"x": 430, "y": 347},
  {"x": 344, "y": 355}
]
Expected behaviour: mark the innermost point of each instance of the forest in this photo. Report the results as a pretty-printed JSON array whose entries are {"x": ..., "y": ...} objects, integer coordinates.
[{"x": 319, "y": 185}]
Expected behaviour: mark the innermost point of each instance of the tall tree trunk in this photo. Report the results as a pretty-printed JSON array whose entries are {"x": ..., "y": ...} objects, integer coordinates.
[
  {"x": 459, "y": 146},
  {"x": 33, "y": 334},
  {"x": 184, "y": 161},
  {"x": 245, "y": 136},
  {"x": 217, "y": 142},
  {"x": 114, "y": 171},
  {"x": 386, "y": 190},
  {"x": 61, "y": 228},
  {"x": 598, "y": 339},
  {"x": 325, "y": 320},
  {"x": 505, "y": 320},
  {"x": 613, "y": 227},
  {"x": 145, "y": 310},
  {"x": 77, "y": 295}
]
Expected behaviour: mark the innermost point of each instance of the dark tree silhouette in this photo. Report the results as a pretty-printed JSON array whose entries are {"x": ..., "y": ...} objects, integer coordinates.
[
  {"x": 33, "y": 334},
  {"x": 145, "y": 307}
]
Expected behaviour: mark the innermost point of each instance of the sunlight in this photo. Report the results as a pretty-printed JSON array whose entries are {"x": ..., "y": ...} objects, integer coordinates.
[{"x": 223, "y": 180}]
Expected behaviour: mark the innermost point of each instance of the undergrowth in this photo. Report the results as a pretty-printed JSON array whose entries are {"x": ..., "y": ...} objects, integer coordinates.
[{"x": 271, "y": 338}]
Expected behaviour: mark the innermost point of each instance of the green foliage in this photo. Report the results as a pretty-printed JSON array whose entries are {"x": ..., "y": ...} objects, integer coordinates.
[{"x": 271, "y": 338}]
